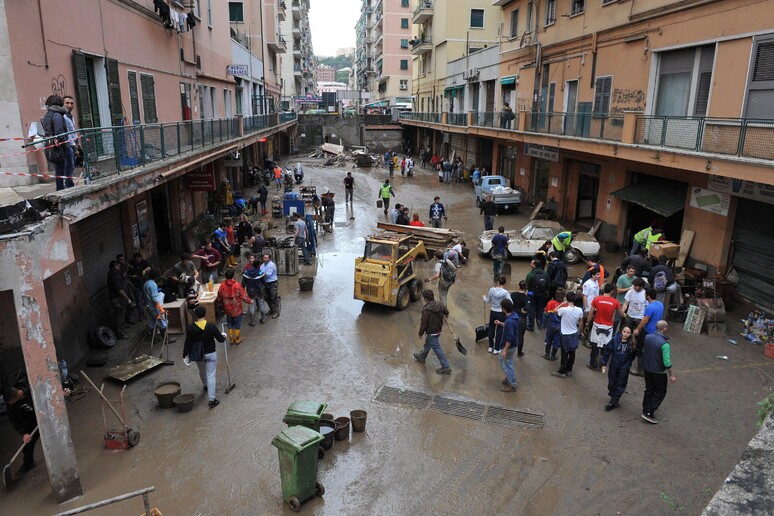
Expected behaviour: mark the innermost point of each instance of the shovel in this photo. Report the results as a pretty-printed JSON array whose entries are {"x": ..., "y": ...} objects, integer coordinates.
[
  {"x": 457, "y": 342},
  {"x": 231, "y": 386},
  {"x": 7, "y": 477}
]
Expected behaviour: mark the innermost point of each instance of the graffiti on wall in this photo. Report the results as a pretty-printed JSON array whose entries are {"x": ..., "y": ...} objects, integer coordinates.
[
  {"x": 627, "y": 99},
  {"x": 59, "y": 85}
]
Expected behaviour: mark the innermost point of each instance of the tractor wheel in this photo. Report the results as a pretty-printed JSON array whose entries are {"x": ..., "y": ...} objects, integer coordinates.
[{"x": 404, "y": 298}]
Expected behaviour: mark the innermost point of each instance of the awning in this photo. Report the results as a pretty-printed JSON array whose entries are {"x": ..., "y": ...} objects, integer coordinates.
[
  {"x": 663, "y": 197},
  {"x": 511, "y": 79}
]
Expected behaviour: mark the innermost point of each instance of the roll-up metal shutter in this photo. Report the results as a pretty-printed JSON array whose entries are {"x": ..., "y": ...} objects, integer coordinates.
[
  {"x": 470, "y": 157},
  {"x": 101, "y": 240},
  {"x": 753, "y": 253},
  {"x": 457, "y": 144}
]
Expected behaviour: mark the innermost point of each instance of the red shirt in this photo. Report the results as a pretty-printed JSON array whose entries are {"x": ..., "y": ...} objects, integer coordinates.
[
  {"x": 605, "y": 308},
  {"x": 551, "y": 306},
  {"x": 417, "y": 223},
  {"x": 230, "y": 235}
]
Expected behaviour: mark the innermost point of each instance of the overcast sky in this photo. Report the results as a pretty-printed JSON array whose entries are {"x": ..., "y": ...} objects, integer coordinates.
[{"x": 333, "y": 24}]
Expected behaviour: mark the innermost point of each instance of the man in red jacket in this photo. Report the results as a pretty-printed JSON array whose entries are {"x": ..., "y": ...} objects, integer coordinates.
[{"x": 231, "y": 295}]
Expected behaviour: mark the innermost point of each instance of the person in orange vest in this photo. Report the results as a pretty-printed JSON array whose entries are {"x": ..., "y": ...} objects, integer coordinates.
[
  {"x": 602, "y": 273},
  {"x": 231, "y": 295},
  {"x": 278, "y": 177}
]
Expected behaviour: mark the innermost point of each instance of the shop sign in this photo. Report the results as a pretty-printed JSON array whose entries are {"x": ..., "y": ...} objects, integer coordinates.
[
  {"x": 710, "y": 201},
  {"x": 237, "y": 70},
  {"x": 201, "y": 180},
  {"x": 541, "y": 151},
  {"x": 741, "y": 188}
]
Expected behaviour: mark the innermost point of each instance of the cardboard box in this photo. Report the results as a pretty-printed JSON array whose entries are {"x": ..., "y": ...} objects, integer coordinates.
[
  {"x": 668, "y": 249},
  {"x": 177, "y": 316}
]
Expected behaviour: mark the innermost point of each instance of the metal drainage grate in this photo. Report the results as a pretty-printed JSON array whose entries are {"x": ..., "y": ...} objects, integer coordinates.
[
  {"x": 468, "y": 409},
  {"x": 404, "y": 397},
  {"x": 503, "y": 416},
  {"x": 460, "y": 408}
]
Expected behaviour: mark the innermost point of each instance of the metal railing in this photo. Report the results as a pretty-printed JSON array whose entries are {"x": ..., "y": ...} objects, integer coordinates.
[
  {"x": 423, "y": 4},
  {"x": 744, "y": 137},
  {"x": 580, "y": 125},
  {"x": 458, "y": 119},
  {"x": 494, "y": 119},
  {"x": 433, "y": 118},
  {"x": 108, "y": 151}
]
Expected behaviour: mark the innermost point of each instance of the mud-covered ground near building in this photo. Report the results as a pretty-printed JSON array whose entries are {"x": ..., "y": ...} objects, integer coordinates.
[{"x": 328, "y": 347}]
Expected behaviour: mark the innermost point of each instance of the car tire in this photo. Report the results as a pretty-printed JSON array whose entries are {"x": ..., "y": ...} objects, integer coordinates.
[
  {"x": 478, "y": 202},
  {"x": 571, "y": 256}
]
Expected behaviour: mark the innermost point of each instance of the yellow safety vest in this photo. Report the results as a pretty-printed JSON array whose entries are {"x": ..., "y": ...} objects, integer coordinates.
[
  {"x": 560, "y": 244},
  {"x": 384, "y": 191},
  {"x": 642, "y": 236},
  {"x": 652, "y": 239}
]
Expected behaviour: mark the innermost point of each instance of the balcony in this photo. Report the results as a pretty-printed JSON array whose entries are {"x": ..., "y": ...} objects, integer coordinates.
[
  {"x": 296, "y": 51},
  {"x": 295, "y": 8},
  {"x": 422, "y": 12},
  {"x": 297, "y": 30},
  {"x": 278, "y": 45},
  {"x": 421, "y": 46},
  {"x": 297, "y": 72},
  {"x": 281, "y": 6}
]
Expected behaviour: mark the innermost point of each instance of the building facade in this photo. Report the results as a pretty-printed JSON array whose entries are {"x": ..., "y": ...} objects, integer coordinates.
[
  {"x": 169, "y": 124},
  {"x": 325, "y": 73},
  {"x": 298, "y": 64},
  {"x": 632, "y": 114},
  {"x": 445, "y": 31}
]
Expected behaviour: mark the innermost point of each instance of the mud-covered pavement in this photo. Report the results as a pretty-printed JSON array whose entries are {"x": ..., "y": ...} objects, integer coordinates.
[{"x": 328, "y": 347}]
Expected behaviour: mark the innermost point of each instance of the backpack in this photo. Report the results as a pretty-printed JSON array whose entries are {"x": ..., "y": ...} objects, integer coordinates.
[
  {"x": 448, "y": 272},
  {"x": 560, "y": 279},
  {"x": 541, "y": 282},
  {"x": 660, "y": 281}
]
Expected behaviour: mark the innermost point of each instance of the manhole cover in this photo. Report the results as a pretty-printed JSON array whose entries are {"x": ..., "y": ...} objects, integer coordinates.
[
  {"x": 403, "y": 397},
  {"x": 503, "y": 416},
  {"x": 468, "y": 409}
]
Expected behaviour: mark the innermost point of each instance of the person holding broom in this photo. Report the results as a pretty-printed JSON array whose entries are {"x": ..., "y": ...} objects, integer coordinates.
[{"x": 205, "y": 334}]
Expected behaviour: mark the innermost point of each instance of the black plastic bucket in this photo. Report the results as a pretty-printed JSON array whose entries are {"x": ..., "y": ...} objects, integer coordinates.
[
  {"x": 305, "y": 284},
  {"x": 677, "y": 313}
]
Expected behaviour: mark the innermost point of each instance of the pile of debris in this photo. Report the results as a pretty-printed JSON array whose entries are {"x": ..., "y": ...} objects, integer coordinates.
[
  {"x": 434, "y": 239},
  {"x": 757, "y": 328},
  {"x": 337, "y": 156}
]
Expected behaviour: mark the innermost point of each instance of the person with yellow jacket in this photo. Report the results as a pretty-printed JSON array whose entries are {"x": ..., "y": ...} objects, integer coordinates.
[{"x": 645, "y": 238}]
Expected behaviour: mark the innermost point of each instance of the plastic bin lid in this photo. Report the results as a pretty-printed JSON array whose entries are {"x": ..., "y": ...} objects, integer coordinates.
[
  {"x": 296, "y": 438},
  {"x": 306, "y": 408}
]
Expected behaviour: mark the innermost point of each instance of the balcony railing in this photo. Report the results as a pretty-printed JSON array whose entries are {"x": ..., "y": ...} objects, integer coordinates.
[
  {"x": 108, "y": 151},
  {"x": 581, "y": 125},
  {"x": 433, "y": 118},
  {"x": 458, "y": 119},
  {"x": 744, "y": 137},
  {"x": 422, "y": 12}
]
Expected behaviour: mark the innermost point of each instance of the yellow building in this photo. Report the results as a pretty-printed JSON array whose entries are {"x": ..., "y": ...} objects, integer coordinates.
[{"x": 445, "y": 31}]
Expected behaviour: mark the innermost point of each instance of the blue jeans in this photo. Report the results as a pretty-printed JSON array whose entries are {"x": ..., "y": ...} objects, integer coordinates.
[
  {"x": 301, "y": 242},
  {"x": 432, "y": 342},
  {"x": 506, "y": 363},
  {"x": 636, "y": 246},
  {"x": 207, "y": 368},
  {"x": 488, "y": 222},
  {"x": 234, "y": 323}
]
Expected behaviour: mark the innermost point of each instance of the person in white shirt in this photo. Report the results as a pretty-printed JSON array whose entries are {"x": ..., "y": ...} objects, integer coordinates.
[
  {"x": 494, "y": 297},
  {"x": 590, "y": 290},
  {"x": 571, "y": 316},
  {"x": 455, "y": 254}
]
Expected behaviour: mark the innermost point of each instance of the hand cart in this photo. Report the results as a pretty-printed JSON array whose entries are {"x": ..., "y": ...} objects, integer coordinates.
[{"x": 116, "y": 439}]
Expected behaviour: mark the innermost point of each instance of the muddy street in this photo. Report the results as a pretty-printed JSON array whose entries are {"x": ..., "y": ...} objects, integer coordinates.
[{"x": 328, "y": 347}]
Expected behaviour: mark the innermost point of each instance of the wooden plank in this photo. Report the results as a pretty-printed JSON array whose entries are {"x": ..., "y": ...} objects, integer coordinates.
[
  {"x": 128, "y": 370},
  {"x": 686, "y": 240},
  {"x": 538, "y": 206}
]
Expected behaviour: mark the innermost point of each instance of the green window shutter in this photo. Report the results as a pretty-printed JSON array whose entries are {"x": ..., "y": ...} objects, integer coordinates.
[
  {"x": 148, "y": 98},
  {"x": 134, "y": 98},
  {"x": 114, "y": 92},
  {"x": 85, "y": 115}
]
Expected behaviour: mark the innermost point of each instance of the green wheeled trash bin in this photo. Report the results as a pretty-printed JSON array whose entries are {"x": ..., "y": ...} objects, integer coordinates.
[
  {"x": 297, "y": 449},
  {"x": 305, "y": 413}
]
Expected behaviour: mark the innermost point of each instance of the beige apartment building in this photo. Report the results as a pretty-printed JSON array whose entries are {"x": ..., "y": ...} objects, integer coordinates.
[
  {"x": 446, "y": 30},
  {"x": 630, "y": 113},
  {"x": 160, "y": 90},
  {"x": 298, "y": 61}
]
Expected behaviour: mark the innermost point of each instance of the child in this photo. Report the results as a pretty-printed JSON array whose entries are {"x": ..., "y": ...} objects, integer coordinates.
[
  {"x": 553, "y": 334},
  {"x": 191, "y": 294}
]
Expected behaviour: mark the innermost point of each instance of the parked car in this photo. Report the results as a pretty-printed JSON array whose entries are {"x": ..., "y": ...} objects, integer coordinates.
[
  {"x": 525, "y": 241},
  {"x": 497, "y": 187}
]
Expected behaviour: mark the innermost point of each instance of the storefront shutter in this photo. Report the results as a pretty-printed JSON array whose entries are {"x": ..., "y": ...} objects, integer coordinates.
[
  {"x": 753, "y": 253},
  {"x": 114, "y": 92},
  {"x": 101, "y": 240},
  {"x": 457, "y": 144},
  {"x": 470, "y": 157}
]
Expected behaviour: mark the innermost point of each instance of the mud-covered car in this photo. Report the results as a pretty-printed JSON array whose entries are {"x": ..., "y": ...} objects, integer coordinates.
[{"x": 525, "y": 242}]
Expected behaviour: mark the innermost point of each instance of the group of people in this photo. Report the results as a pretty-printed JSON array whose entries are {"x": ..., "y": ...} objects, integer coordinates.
[{"x": 63, "y": 147}]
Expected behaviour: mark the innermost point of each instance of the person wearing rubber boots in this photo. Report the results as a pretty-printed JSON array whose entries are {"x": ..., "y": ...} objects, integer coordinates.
[
  {"x": 430, "y": 327},
  {"x": 269, "y": 271},
  {"x": 231, "y": 295},
  {"x": 385, "y": 192}
]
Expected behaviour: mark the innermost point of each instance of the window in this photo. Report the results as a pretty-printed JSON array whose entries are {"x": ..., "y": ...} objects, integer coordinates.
[
  {"x": 477, "y": 18},
  {"x": 209, "y": 13},
  {"x": 683, "y": 82},
  {"x": 404, "y": 3},
  {"x": 602, "y": 90},
  {"x": 403, "y": 43},
  {"x": 530, "y": 14},
  {"x": 134, "y": 98},
  {"x": 404, "y": 84},
  {"x": 760, "y": 95},
  {"x": 514, "y": 23},
  {"x": 404, "y": 64},
  {"x": 578, "y": 7},
  {"x": 148, "y": 87},
  {"x": 404, "y": 24},
  {"x": 236, "y": 12},
  {"x": 550, "y": 12}
]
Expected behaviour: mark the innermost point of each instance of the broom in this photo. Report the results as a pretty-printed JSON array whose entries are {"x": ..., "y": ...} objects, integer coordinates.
[{"x": 457, "y": 342}]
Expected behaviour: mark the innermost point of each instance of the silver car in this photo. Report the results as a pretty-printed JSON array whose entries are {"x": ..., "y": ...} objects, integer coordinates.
[{"x": 526, "y": 241}]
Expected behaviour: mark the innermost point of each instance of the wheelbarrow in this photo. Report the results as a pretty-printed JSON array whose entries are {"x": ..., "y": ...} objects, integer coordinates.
[{"x": 124, "y": 437}]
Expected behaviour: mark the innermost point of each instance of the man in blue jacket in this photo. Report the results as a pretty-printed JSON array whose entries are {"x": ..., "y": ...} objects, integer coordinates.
[{"x": 510, "y": 344}]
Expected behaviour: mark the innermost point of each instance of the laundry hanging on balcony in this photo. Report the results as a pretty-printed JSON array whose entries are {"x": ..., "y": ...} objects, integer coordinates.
[{"x": 172, "y": 18}]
